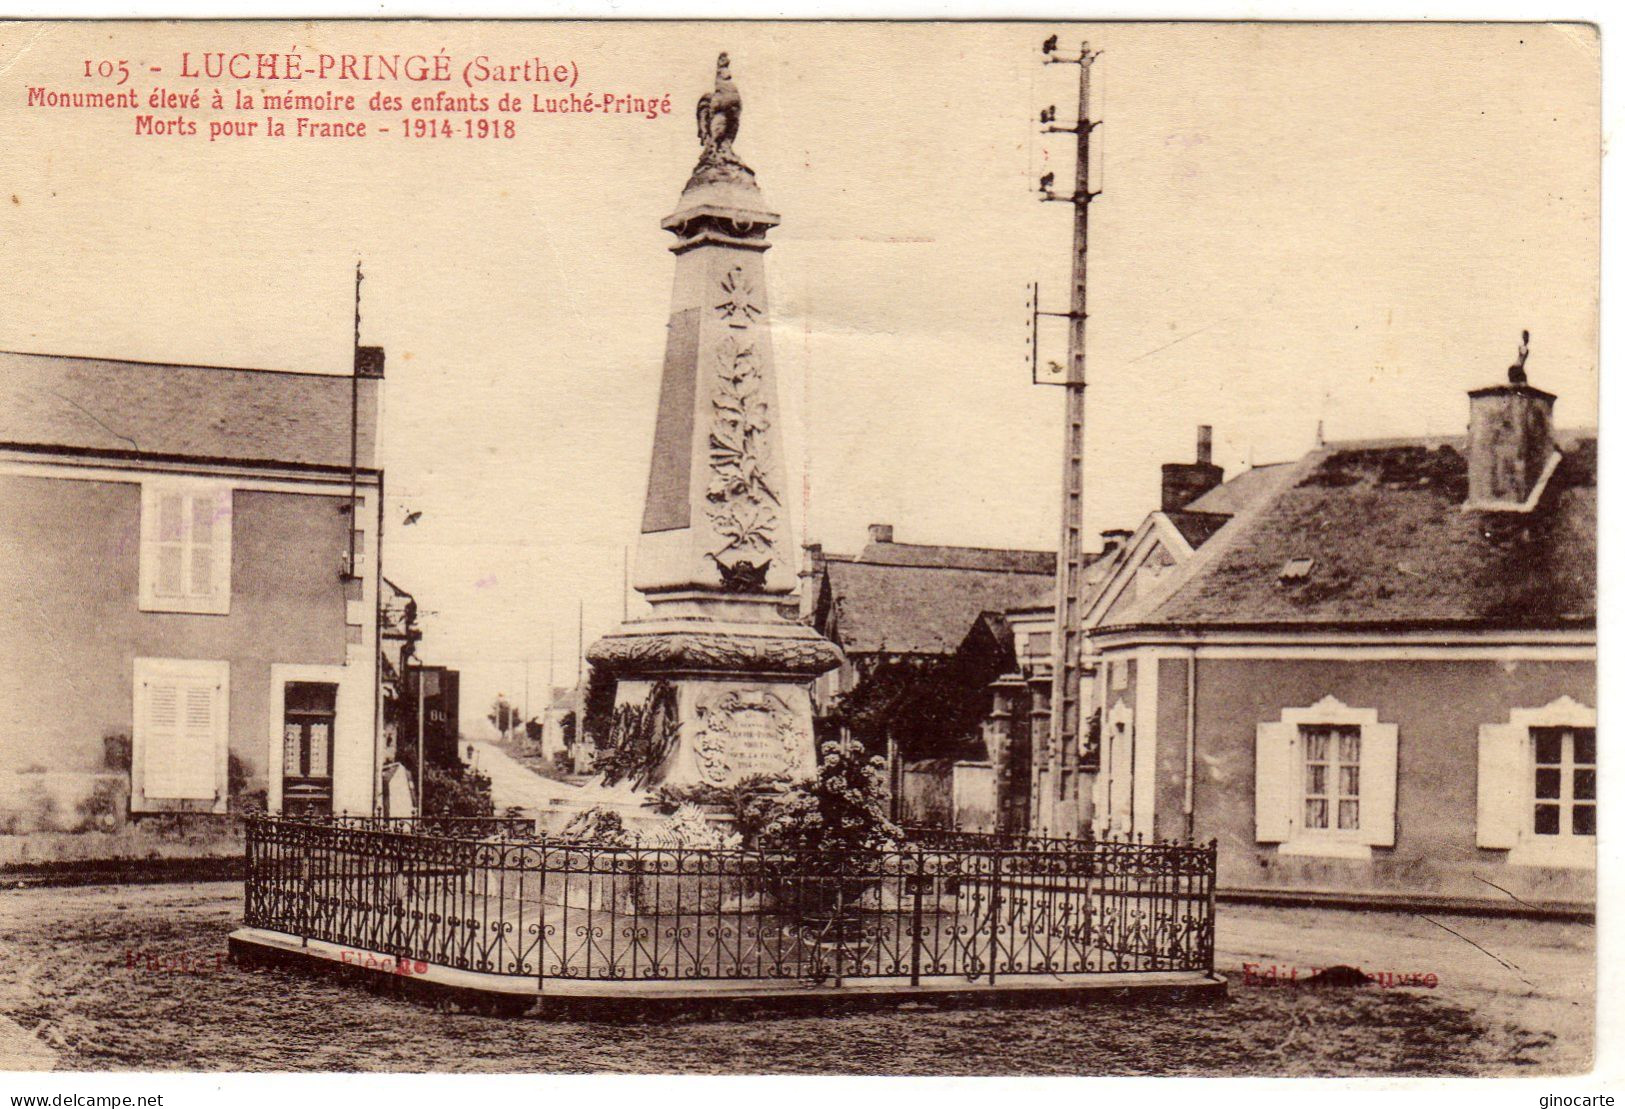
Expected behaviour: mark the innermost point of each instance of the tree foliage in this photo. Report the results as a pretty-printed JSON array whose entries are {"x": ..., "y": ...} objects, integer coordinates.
[
  {"x": 925, "y": 705},
  {"x": 456, "y": 792},
  {"x": 504, "y": 717}
]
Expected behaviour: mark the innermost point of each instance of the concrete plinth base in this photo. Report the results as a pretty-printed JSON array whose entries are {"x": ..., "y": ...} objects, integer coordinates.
[{"x": 626, "y": 998}]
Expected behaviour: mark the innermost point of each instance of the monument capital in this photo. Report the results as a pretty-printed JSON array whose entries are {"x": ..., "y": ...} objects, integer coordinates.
[{"x": 721, "y": 201}]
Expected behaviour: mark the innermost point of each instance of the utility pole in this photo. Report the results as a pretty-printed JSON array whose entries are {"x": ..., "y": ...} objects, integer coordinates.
[
  {"x": 355, "y": 415},
  {"x": 1066, "y": 696},
  {"x": 423, "y": 770}
]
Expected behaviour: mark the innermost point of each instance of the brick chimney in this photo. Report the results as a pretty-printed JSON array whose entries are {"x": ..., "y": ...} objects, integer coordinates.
[
  {"x": 369, "y": 362},
  {"x": 1113, "y": 538},
  {"x": 1509, "y": 441},
  {"x": 812, "y": 565},
  {"x": 1183, "y": 482},
  {"x": 880, "y": 533}
]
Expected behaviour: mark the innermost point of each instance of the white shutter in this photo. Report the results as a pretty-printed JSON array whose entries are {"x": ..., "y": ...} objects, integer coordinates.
[
  {"x": 1275, "y": 782},
  {"x": 1501, "y": 784},
  {"x": 195, "y": 756},
  {"x": 200, "y": 548},
  {"x": 169, "y": 537},
  {"x": 180, "y": 729},
  {"x": 185, "y": 546},
  {"x": 221, "y": 505},
  {"x": 1379, "y": 783},
  {"x": 161, "y": 732}
]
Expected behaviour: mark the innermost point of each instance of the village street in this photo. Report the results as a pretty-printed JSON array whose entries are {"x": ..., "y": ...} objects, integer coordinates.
[
  {"x": 147, "y": 980},
  {"x": 514, "y": 785}
]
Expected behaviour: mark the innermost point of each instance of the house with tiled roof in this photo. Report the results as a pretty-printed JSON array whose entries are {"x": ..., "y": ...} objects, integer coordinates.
[
  {"x": 1196, "y": 505},
  {"x": 1378, "y": 678},
  {"x": 189, "y": 587},
  {"x": 907, "y": 600},
  {"x": 901, "y": 606}
]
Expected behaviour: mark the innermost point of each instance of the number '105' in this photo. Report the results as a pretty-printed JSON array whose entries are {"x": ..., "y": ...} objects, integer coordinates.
[{"x": 119, "y": 69}]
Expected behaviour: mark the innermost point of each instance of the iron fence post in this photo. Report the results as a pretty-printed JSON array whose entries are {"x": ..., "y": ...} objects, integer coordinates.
[
  {"x": 839, "y": 921},
  {"x": 993, "y": 923},
  {"x": 919, "y": 893},
  {"x": 1210, "y": 864},
  {"x": 250, "y": 887},
  {"x": 541, "y": 918}
]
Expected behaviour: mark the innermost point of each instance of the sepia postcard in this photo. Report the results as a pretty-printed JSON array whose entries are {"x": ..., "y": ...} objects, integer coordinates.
[{"x": 815, "y": 548}]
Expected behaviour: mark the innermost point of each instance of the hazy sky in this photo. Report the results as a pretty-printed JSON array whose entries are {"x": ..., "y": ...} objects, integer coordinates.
[{"x": 1297, "y": 224}]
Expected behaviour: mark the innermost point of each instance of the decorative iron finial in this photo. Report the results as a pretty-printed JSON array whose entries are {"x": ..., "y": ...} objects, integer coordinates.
[
  {"x": 1515, "y": 372},
  {"x": 717, "y": 116}
]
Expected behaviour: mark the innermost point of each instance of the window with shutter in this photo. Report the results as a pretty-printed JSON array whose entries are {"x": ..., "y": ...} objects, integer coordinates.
[
  {"x": 180, "y": 732},
  {"x": 1326, "y": 781},
  {"x": 1537, "y": 785},
  {"x": 185, "y": 547}
]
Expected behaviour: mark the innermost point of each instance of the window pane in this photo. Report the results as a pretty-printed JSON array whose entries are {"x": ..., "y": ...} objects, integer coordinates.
[
  {"x": 1585, "y": 785},
  {"x": 1548, "y": 746},
  {"x": 169, "y": 570},
  {"x": 1348, "y": 815},
  {"x": 202, "y": 571},
  {"x": 1315, "y": 744},
  {"x": 292, "y": 763},
  {"x": 1349, "y": 783},
  {"x": 318, "y": 750},
  {"x": 309, "y": 697},
  {"x": 170, "y": 519},
  {"x": 1314, "y": 814},
  {"x": 1585, "y": 820},
  {"x": 1546, "y": 820},
  {"x": 1316, "y": 786},
  {"x": 1548, "y": 784},
  {"x": 1585, "y": 746},
  {"x": 203, "y": 519},
  {"x": 1348, "y": 745}
]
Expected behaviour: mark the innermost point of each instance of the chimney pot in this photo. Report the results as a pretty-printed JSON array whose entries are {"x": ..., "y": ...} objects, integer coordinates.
[
  {"x": 880, "y": 533},
  {"x": 369, "y": 362},
  {"x": 1509, "y": 444},
  {"x": 1183, "y": 482}
]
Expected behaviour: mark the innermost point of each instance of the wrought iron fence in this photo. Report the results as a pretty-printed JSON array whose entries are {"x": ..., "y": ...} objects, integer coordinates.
[
  {"x": 459, "y": 827},
  {"x": 550, "y": 910}
]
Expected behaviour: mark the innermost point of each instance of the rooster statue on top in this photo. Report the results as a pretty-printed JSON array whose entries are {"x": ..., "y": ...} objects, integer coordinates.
[{"x": 717, "y": 115}]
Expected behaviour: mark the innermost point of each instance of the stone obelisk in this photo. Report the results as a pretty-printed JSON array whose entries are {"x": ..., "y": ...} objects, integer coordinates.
[{"x": 715, "y": 557}]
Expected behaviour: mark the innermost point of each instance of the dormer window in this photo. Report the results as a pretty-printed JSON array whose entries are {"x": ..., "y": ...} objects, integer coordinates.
[{"x": 1296, "y": 569}]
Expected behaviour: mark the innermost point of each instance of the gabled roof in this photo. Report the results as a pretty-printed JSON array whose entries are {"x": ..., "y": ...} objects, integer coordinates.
[
  {"x": 1240, "y": 491},
  {"x": 1197, "y": 527},
  {"x": 146, "y": 409},
  {"x": 1193, "y": 525},
  {"x": 1382, "y": 526},
  {"x": 1004, "y": 560},
  {"x": 901, "y": 609}
]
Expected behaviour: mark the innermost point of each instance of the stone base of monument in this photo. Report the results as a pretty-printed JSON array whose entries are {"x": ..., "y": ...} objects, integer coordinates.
[{"x": 739, "y": 693}]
